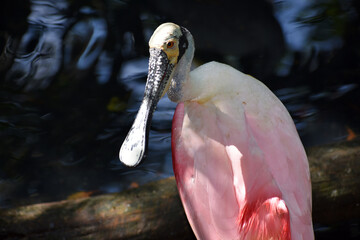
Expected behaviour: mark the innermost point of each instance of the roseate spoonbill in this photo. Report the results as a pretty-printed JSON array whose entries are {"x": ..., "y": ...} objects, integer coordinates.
[{"x": 240, "y": 167}]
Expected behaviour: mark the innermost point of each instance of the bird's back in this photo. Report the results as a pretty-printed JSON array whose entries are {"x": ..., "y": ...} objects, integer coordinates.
[{"x": 238, "y": 159}]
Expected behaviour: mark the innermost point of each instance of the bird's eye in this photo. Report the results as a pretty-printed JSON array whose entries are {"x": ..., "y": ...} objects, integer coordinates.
[{"x": 170, "y": 44}]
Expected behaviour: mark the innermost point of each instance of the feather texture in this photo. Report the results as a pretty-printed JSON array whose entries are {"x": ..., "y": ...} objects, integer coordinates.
[{"x": 241, "y": 170}]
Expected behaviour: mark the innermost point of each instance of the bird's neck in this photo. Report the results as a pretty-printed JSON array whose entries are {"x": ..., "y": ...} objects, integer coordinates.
[{"x": 180, "y": 76}]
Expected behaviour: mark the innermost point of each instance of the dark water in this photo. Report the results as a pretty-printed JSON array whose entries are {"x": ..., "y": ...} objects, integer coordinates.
[{"x": 72, "y": 75}]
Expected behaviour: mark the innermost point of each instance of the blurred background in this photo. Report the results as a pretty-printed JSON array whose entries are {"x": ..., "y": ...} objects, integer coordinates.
[{"x": 72, "y": 76}]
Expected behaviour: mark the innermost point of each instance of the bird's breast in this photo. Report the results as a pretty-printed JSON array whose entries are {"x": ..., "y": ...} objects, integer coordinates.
[{"x": 217, "y": 84}]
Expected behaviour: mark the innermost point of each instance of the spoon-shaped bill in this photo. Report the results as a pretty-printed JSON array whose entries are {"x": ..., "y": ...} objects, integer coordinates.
[{"x": 134, "y": 147}]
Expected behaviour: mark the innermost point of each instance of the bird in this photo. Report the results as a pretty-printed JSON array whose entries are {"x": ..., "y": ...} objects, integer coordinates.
[{"x": 240, "y": 167}]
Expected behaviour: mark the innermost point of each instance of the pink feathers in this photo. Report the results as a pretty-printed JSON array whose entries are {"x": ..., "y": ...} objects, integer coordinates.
[
  {"x": 221, "y": 201},
  {"x": 240, "y": 168},
  {"x": 265, "y": 220}
]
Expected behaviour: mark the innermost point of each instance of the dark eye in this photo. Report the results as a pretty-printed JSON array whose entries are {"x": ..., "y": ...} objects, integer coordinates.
[{"x": 170, "y": 44}]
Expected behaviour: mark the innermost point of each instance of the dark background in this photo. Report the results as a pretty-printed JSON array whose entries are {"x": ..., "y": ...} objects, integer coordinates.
[{"x": 72, "y": 75}]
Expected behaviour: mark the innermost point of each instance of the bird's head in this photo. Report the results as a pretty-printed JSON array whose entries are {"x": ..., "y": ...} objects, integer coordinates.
[
  {"x": 166, "y": 38},
  {"x": 171, "y": 53}
]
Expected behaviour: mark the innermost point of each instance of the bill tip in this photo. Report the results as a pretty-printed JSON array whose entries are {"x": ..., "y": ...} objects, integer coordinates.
[{"x": 131, "y": 156}]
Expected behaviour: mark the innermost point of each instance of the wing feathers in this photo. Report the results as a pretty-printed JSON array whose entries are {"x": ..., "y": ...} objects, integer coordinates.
[
  {"x": 226, "y": 158},
  {"x": 265, "y": 220}
]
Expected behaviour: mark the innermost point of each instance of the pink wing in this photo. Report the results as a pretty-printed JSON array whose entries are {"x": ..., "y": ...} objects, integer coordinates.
[{"x": 234, "y": 179}]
